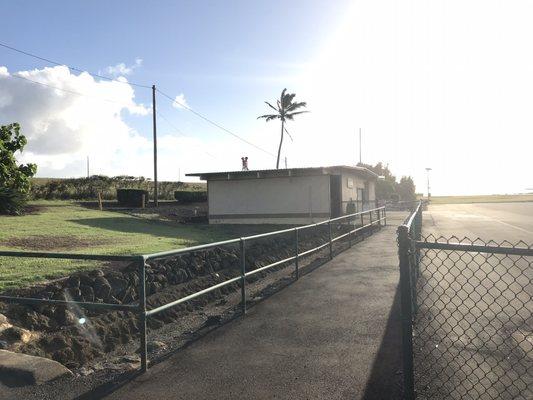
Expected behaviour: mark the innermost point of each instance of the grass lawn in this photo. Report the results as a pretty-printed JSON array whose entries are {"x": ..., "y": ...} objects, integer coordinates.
[
  {"x": 495, "y": 198},
  {"x": 62, "y": 226}
]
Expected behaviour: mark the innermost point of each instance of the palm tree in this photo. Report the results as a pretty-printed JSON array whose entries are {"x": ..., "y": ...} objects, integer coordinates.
[{"x": 285, "y": 111}]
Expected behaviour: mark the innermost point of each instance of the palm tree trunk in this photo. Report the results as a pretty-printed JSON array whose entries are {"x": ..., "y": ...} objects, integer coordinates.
[{"x": 280, "y": 143}]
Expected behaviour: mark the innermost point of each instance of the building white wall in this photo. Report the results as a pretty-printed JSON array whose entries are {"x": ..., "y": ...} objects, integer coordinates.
[
  {"x": 351, "y": 193},
  {"x": 285, "y": 200}
]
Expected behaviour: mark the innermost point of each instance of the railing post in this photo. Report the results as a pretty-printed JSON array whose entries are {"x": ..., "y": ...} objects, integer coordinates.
[
  {"x": 349, "y": 234},
  {"x": 243, "y": 276},
  {"x": 355, "y": 225},
  {"x": 370, "y": 214},
  {"x": 385, "y": 215},
  {"x": 362, "y": 224},
  {"x": 297, "y": 252},
  {"x": 406, "y": 311},
  {"x": 379, "y": 216},
  {"x": 142, "y": 315},
  {"x": 330, "y": 241}
]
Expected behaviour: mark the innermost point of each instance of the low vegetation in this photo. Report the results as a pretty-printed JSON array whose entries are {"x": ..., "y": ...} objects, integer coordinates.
[
  {"x": 88, "y": 188},
  {"x": 188, "y": 196}
]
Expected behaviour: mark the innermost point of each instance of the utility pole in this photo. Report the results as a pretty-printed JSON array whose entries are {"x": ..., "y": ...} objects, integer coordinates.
[
  {"x": 427, "y": 171},
  {"x": 360, "y": 148},
  {"x": 88, "y": 167},
  {"x": 156, "y": 190}
]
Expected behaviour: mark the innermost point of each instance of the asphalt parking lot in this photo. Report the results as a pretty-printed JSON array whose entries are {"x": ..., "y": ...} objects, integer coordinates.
[
  {"x": 473, "y": 336},
  {"x": 489, "y": 221}
]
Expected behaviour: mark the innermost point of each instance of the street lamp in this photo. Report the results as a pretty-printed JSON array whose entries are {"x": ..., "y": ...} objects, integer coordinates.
[{"x": 427, "y": 171}]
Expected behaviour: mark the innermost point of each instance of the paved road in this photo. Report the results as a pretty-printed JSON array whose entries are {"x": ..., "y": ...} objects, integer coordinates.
[
  {"x": 474, "y": 330},
  {"x": 329, "y": 335},
  {"x": 489, "y": 221}
]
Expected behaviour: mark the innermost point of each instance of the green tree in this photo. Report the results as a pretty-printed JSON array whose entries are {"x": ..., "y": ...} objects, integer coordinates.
[
  {"x": 285, "y": 111},
  {"x": 406, "y": 189},
  {"x": 386, "y": 186},
  {"x": 14, "y": 178}
]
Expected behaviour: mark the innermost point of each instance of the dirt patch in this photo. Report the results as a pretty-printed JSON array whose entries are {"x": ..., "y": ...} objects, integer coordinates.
[
  {"x": 44, "y": 242},
  {"x": 192, "y": 212},
  {"x": 33, "y": 209}
]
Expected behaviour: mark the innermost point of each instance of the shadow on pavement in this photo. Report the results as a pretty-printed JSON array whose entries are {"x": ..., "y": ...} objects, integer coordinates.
[{"x": 385, "y": 381}]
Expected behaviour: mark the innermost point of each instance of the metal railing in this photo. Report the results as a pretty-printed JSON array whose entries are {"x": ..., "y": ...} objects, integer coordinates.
[
  {"x": 355, "y": 223},
  {"x": 466, "y": 316}
]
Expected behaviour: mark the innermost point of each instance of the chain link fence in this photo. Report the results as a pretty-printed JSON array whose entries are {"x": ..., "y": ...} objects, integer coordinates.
[{"x": 467, "y": 316}]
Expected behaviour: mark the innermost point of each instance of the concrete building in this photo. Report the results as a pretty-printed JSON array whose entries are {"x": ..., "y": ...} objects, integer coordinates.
[{"x": 287, "y": 196}]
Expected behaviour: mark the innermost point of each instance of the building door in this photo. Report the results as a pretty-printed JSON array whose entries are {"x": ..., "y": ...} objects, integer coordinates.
[
  {"x": 360, "y": 199},
  {"x": 335, "y": 187}
]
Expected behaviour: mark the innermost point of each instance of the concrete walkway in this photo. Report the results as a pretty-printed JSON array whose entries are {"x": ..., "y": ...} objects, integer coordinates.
[{"x": 333, "y": 334}]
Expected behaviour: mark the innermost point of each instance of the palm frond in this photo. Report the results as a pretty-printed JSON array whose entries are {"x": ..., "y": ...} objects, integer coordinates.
[
  {"x": 282, "y": 96},
  {"x": 290, "y": 116},
  {"x": 269, "y": 117},
  {"x": 287, "y": 100},
  {"x": 287, "y": 132},
  {"x": 295, "y": 106},
  {"x": 271, "y": 106}
]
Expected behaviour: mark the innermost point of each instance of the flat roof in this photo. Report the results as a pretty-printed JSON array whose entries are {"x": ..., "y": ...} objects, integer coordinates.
[{"x": 286, "y": 172}]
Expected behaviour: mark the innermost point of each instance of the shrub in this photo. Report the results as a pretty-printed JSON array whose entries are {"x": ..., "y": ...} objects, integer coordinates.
[
  {"x": 88, "y": 188},
  {"x": 132, "y": 197},
  {"x": 350, "y": 207},
  {"x": 11, "y": 201},
  {"x": 185, "y": 196}
]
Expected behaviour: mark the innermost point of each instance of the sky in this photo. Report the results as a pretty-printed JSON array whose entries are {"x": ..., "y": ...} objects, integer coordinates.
[{"x": 442, "y": 84}]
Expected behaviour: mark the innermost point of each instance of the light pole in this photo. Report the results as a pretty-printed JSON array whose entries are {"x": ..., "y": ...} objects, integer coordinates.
[{"x": 427, "y": 171}]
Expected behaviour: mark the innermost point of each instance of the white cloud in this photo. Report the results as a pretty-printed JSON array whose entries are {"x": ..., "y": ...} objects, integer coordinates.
[
  {"x": 63, "y": 127},
  {"x": 122, "y": 69},
  {"x": 180, "y": 101}
]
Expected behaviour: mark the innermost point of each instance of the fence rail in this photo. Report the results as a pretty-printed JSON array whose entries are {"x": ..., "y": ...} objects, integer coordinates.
[
  {"x": 376, "y": 217},
  {"x": 466, "y": 316}
]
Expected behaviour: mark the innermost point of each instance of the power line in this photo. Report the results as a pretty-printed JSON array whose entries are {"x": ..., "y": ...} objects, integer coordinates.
[
  {"x": 180, "y": 133},
  {"x": 71, "y": 67},
  {"x": 66, "y": 90},
  {"x": 171, "y": 124},
  {"x": 128, "y": 83},
  {"x": 214, "y": 123}
]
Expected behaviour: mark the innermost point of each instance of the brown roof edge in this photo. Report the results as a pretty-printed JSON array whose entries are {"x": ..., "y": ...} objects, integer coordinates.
[{"x": 285, "y": 172}]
